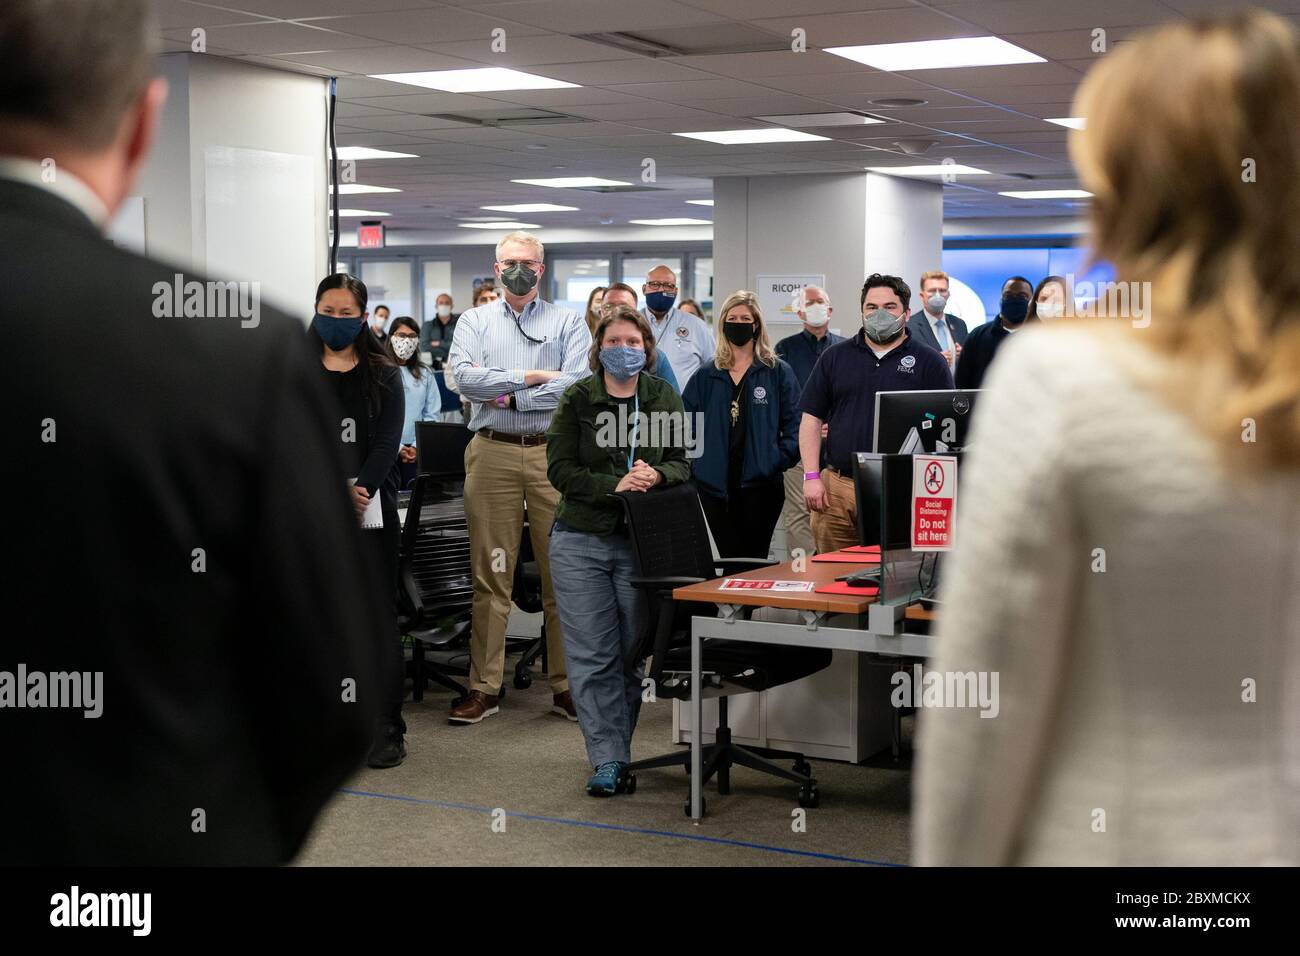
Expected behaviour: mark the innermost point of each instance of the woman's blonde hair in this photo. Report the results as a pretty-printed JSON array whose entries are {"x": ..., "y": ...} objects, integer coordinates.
[
  {"x": 1192, "y": 151},
  {"x": 723, "y": 357}
]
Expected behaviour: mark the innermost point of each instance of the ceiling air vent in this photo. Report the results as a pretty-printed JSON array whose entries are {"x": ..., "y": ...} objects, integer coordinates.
[
  {"x": 510, "y": 119},
  {"x": 631, "y": 43}
]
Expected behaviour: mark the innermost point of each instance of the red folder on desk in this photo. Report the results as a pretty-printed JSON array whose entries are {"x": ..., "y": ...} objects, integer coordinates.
[
  {"x": 843, "y": 587},
  {"x": 855, "y": 555}
]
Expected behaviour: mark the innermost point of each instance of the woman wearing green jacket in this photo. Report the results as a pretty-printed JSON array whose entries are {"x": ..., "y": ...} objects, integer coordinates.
[{"x": 601, "y": 442}]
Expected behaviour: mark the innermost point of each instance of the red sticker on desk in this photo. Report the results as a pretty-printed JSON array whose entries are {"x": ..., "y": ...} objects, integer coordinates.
[{"x": 748, "y": 584}]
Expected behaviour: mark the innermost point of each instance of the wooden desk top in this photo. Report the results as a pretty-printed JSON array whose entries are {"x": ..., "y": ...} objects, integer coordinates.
[
  {"x": 819, "y": 572},
  {"x": 823, "y": 572}
]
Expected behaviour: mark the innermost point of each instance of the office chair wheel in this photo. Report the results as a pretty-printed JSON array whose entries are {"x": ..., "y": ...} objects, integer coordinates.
[
  {"x": 523, "y": 680},
  {"x": 704, "y": 807},
  {"x": 808, "y": 796},
  {"x": 803, "y": 767},
  {"x": 629, "y": 783}
]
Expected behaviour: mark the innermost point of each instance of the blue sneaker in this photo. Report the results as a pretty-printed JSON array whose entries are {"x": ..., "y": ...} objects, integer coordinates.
[{"x": 607, "y": 780}]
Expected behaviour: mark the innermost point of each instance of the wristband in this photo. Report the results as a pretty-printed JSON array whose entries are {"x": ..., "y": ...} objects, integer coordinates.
[
  {"x": 810, "y": 475},
  {"x": 503, "y": 401}
]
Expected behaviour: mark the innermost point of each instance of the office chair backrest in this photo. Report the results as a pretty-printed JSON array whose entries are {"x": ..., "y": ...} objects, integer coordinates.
[
  {"x": 669, "y": 534},
  {"x": 434, "y": 563}
]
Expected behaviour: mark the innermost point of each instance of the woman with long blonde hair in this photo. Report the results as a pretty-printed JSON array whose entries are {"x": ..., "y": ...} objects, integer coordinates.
[
  {"x": 1128, "y": 539},
  {"x": 748, "y": 401}
]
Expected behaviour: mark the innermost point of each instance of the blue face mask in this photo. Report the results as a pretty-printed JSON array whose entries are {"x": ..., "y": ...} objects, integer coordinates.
[
  {"x": 622, "y": 361},
  {"x": 660, "y": 301},
  {"x": 1014, "y": 309},
  {"x": 336, "y": 331}
]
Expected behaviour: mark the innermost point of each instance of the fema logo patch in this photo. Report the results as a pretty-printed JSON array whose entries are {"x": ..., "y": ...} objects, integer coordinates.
[
  {"x": 907, "y": 361},
  {"x": 760, "y": 394},
  {"x": 683, "y": 331},
  {"x": 961, "y": 404}
]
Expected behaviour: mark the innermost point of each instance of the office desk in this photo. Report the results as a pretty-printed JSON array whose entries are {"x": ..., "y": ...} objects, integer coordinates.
[{"x": 834, "y": 621}]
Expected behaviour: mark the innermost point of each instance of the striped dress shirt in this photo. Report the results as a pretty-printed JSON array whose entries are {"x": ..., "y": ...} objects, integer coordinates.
[{"x": 490, "y": 355}]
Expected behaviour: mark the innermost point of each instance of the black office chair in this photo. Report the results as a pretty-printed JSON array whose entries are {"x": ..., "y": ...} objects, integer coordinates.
[
  {"x": 670, "y": 540},
  {"x": 435, "y": 586}
]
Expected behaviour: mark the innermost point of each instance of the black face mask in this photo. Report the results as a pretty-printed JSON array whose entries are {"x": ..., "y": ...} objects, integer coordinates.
[
  {"x": 1014, "y": 309},
  {"x": 738, "y": 333}
]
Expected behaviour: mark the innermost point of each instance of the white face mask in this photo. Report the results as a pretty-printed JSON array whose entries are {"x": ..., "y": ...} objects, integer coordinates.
[
  {"x": 444, "y": 311},
  {"x": 1051, "y": 310},
  {"x": 404, "y": 346},
  {"x": 817, "y": 314}
]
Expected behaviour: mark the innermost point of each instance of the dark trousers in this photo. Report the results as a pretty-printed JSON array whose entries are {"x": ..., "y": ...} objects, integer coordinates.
[
  {"x": 381, "y": 557},
  {"x": 743, "y": 522}
]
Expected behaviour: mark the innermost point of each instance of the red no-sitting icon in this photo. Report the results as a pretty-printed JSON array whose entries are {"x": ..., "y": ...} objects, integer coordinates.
[{"x": 934, "y": 478}]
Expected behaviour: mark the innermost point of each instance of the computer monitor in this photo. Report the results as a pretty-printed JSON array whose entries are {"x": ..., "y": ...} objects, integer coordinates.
[
  {"x": 927, "y": 422},
  {"x": 440, "y": 449},
  {"x": 882, "y": 485}
]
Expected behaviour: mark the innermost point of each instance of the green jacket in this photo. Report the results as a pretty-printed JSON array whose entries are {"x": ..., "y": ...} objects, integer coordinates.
[{"x": 587, "y": 447}]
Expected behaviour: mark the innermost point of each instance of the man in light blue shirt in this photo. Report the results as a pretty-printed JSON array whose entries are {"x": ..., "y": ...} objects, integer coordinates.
[
  {"x": 512, "y": 360},
  {"x": 683, "y": 338}
]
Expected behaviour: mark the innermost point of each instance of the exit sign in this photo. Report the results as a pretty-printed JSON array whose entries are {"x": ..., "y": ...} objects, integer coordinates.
[{"x": 370, "y": 236}]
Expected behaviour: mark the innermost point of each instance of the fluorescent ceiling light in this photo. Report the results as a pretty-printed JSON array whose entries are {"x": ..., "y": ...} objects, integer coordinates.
[
  {"x": 571, "y": 182},
  {"x": 360, "y": 213},
  {"x": 937, "y": 54},
  {"x": 355, "y": 189},
  {"x": 733, "y": 137},
  {"x": 1074, "y": 122},
  {"x": 369, "y": 152},
  {"x": 532, "y": 207},
  {"x": 821, "y": 119},
  {"x": 700, "y": 202},
  {"x": 671, "y": 222},
  {"x": 937, "y": 169},
  {"x": 499, "y": 225},
  {"x": 488, "y": 79},
  {"x": 1048, "y": 194}
]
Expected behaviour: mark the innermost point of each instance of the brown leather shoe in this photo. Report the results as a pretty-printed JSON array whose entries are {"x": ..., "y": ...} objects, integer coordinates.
[
  {"x": 562, "y": 704},
  {"x": 472, "y": 709}
]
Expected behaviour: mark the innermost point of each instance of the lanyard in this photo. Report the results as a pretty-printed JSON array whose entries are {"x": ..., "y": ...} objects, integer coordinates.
[{"x": 636, "y": 424}]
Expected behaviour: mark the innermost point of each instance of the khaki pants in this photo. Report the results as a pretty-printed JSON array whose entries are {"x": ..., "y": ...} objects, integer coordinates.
[
  {"x": 798, "y": 531},
  {"x": 837, "y": 526},
  {"x": 499, "y": 479}
]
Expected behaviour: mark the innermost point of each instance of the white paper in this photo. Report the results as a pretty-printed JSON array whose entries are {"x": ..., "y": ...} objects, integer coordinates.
[{"x": 372, "y": 517}]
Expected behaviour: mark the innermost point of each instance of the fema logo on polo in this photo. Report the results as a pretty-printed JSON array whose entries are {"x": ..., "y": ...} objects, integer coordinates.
[
  {"x": 760, "y": 395},
  {"x": 906, "y": 362}
]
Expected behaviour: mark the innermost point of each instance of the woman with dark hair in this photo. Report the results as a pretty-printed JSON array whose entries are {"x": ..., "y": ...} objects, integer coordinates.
[
  {"x": 423, "y": 400},
  {"x": 601, "y": 442},
  {"x": 1049, "y": 299},
  {"x": 594, "y": 302},
  {"x": 365, "y": 380}
]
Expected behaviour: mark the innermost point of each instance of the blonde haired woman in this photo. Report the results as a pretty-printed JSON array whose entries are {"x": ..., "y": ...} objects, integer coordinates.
[
  {"x": 1128, "y": 555},
  {"x": 749, "y": 400}
]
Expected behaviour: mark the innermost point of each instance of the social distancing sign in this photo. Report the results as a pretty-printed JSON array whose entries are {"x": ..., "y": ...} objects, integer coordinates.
[{"x": 934, "y": 502}]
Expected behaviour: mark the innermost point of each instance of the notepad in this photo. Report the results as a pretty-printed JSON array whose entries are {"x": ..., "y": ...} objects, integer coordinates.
[{"x": 373, "y": 517}]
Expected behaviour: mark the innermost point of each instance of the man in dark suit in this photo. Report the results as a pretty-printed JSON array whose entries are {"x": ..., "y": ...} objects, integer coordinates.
[
  {"x": 189, "y": 670},
  {"x": 932, "y": 324}
]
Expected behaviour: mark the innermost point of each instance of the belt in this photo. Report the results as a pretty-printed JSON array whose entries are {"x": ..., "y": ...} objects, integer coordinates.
[{"x": 526, "y": 441}]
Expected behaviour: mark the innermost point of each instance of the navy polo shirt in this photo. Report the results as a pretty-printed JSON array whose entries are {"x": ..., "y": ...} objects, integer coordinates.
[
  {"x": 841, "y": 390},
  {"x": 803, "y": 349}
]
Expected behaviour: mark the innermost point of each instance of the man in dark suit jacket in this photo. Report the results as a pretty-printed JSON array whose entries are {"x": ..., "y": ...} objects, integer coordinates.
[
  {"x": 189, "y": 670},
  {"x": 932, "y": 325}
]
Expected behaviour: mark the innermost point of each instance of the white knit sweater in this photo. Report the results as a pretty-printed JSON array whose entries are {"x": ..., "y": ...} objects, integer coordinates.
[{"x": 1121, "y": 691}]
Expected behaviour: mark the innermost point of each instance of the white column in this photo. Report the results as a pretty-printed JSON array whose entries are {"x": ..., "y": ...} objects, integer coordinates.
[{"x": 235, "y": 188}]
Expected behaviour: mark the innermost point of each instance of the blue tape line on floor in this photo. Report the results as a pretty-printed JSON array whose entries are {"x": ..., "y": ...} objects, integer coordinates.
[{"x": 445, "y": 804}]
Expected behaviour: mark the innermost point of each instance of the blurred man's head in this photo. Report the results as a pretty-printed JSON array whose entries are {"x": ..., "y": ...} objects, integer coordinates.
[{"x": 80, "y": 88}]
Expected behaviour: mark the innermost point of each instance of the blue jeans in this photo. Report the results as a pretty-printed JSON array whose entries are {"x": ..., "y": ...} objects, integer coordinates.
[{"x": 602, "y": 615}]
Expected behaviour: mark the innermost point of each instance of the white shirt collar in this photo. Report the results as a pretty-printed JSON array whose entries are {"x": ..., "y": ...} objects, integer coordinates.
[{"x": 61, "y": 182}]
